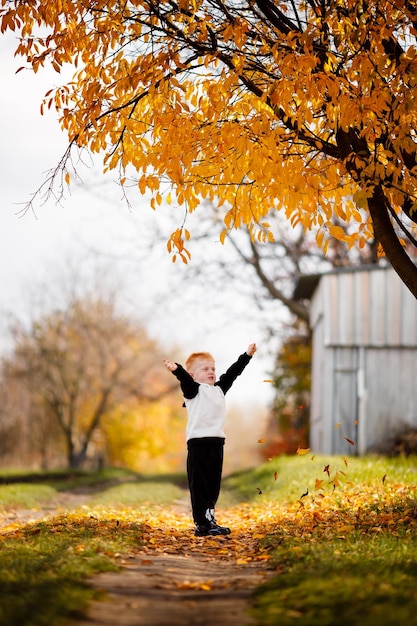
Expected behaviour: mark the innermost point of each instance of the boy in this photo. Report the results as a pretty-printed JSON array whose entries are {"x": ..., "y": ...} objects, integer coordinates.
[{"x": 205, "y": 403}]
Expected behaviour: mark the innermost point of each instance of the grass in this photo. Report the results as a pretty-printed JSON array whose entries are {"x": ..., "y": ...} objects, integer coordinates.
[
  {"x": 44, "y": 565},
  {"x": 341, "y": 534},
  {"x": 286, "y": 478},
  {"x": 355, "y": 580},
  {"x": 345, "y": 555},
  {"x": 25, "y": 496},
  {"x": 26, "y": 490}
]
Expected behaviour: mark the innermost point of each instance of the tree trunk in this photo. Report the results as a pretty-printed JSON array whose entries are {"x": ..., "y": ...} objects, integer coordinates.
[
  {"x": 385, "y": 234},
  {"x": 76, "y": 459}
]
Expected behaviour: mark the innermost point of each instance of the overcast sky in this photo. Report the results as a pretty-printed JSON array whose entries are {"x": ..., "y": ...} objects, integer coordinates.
[{"x": 33, "y": 245}]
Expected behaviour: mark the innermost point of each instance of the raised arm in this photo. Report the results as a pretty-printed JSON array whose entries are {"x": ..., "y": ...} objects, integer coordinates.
[
  {"x": 227, "y": 379},
  {"x": 189, "y": 386}
]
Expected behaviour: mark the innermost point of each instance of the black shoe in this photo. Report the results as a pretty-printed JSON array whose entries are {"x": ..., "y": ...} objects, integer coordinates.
[
  {"x": 204, "y": 531},
  {"x": 212, "y": 530},
  {"x": 222, "y": 530}
]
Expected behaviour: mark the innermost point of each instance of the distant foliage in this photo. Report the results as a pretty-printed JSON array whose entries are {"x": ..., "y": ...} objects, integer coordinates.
[
  {"x": 289, "y": 421},
  {"x": 90, "y": 389}
]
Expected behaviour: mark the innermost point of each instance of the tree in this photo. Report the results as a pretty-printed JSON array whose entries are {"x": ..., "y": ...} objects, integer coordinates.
[
  {"x": 288, "y": 425},
  {"x": 82, "y": 363},
  {"x": 304, "y": 107}
]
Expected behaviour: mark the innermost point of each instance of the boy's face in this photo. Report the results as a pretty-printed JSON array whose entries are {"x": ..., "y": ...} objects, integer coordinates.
[{"x": 204, "y": 371}]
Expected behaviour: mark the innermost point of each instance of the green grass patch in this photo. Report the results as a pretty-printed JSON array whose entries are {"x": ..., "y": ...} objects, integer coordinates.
[
  {"x": 358, "y": 579},
  {"x": 25, "y": 496},
  {"x": 342, "y": 534},
  {"x": 285, "y": 479},
  {"x": 139, "y": 493},
  {"x": 26, "y": 491},
  {"x": 44, "y": 566}
]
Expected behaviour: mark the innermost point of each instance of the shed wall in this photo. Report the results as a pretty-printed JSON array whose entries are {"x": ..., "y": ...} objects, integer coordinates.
[
  {"x": 367, "y": 308},
  {"x": 364, "y": 361}
]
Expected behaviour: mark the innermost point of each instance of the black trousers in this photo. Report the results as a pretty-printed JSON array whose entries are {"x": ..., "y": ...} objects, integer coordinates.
[{"x": 204, "y": 471}]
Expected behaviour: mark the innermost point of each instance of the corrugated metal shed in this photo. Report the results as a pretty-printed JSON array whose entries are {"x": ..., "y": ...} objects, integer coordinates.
[{"x": 364, "y": 370}]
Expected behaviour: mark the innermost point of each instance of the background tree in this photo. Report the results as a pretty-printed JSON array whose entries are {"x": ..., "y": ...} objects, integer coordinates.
[
  {"x": 288, "y": 426},
  {"x": 80, "y": 364},
  {"x": 308, "y": 108}
]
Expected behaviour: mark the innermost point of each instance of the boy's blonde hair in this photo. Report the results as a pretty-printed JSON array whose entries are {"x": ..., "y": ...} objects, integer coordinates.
[{"x": 196, "y": 356}]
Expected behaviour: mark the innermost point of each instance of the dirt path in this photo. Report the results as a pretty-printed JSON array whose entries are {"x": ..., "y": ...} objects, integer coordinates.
[
  {"x": 176, "y": 579},
  {"x": 175, "y": 590},
  {"x": 182, "y": 580}
]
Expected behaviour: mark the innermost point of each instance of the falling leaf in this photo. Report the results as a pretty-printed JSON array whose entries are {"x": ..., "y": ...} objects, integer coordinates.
[
  {"x": 318, "y": 484},
  {"x": 352, "y": 443},
  {"x": 305, "y": 494},
  {"x": 259, "y": 491},
  {"x": 327, "y": 470},
  {"x": 261, "y": 441},
  {"x": 345, "y": 461},
  {"x": 268, "y": 381},
  {"x": 275, "y": 475},
  {"x": 301, "y": 451},
  {"x": 383, "y": 478},
  {"x": 338, "y": 425}
]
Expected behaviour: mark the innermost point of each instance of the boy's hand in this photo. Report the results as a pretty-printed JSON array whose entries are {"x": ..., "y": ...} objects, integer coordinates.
[
  {"x": 171, "y": 367},
  {"x": 251, "y": 349}
]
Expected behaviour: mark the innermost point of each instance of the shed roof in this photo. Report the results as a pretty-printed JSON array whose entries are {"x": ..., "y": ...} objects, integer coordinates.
[{"x": 307, "y": 283}]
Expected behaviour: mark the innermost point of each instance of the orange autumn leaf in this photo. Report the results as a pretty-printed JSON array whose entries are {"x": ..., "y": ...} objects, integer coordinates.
[
  {"x": 352, "y": 443},
  {"x": 275, "y": 475},
  {"x": 338, "y": 425},
  {"x": 261, "y": 441},
  {"x": 318, "y": 484},
  {"x": 336, "y": 481},
  {"x": 302, "y": 451},
  {"x": 187, "y": 584}
]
